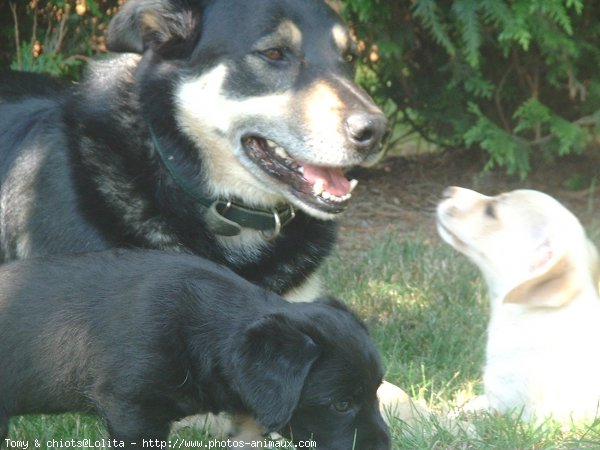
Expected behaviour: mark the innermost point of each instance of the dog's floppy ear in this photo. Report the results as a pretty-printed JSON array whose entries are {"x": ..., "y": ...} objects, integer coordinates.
[
  {"x": 553, "y": 281},
  {"x": 271, "y": 366},
  {"x": 157, "y": 24},
  {"x": 342, "y": 307}
]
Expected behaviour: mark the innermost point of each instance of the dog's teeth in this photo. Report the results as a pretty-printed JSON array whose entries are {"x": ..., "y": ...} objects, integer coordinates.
[
  {"x": 319, "y": 190},
  {"x": 353, "y": 184},
  {"x": 271, "y": 143},
  {"x": 279, "y": 151},
  {"x": 334, "y": 198},
  {"x": 318, "y": 187},
  {"x": 301, "y": 169}
]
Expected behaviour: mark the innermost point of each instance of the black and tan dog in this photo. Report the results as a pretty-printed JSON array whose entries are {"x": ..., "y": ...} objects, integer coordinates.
[
  {"x": 223, "y": 130},
  {"x": 142, "y": 338}
]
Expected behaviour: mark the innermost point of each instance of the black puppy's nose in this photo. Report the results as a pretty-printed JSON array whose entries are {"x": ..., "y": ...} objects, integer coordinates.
[
  {"x": 379, "y": 438},
  {"x": 366, "y": 129}
]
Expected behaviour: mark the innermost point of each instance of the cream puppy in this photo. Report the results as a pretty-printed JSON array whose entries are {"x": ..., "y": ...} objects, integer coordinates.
[{"x": 542, "y": 355}]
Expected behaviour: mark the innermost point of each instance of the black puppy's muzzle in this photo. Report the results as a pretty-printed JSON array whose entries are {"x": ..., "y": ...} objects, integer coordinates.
[
  {"x": 374, "y": 433},
  {"x": 381, "y": 440}
]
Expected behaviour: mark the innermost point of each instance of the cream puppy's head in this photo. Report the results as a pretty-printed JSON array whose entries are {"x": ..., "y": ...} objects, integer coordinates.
[{"x": 530, "y": 249}]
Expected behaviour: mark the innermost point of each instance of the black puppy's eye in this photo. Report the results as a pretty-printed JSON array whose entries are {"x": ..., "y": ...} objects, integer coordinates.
[
  {"x": 490, "y": 210},
  {"x": 342, "y": 407},
  {"x": 273, "y": 54}
]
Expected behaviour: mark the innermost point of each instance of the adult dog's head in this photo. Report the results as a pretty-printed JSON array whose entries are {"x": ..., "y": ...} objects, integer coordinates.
[
  {"x": 262, "y": 89},
  {"x": 311, "y": 372},
  {"x": 530, "y": 248}
]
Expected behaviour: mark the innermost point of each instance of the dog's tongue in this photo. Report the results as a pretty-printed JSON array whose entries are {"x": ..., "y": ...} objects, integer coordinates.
[{"x": 333, "y": 179}]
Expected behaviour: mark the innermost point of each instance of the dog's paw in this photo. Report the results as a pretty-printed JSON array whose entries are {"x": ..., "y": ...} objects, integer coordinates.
[
  {"x": 478, "y": 404},
  {"x": 396, "y": 404}
]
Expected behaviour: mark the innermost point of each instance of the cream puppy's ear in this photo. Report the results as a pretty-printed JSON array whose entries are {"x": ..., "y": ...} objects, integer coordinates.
[{"x": 553, "y": 280}]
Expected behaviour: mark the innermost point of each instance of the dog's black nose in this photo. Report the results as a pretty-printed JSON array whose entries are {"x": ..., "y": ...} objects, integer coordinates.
[{"x": 366, "y": 129}]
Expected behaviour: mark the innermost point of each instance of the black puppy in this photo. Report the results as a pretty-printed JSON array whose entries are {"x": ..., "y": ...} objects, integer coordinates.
[{"x": 143, "y": 338}]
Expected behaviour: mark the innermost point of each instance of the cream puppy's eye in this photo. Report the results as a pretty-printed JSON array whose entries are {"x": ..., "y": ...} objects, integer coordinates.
[{"x": 490, "y": 210}]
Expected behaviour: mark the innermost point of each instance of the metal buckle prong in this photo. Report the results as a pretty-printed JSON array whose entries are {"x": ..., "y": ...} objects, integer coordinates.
[
  {"x": 292, "y": 215},
  {"x": 276, "y": 230},
  {"x": 227, "y": 207}
]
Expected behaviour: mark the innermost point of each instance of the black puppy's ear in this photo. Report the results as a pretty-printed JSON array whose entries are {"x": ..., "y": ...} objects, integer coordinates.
[
  {"x": 271, "y": 366},
  {"x": 156, "y": 24},
  {"x": 342, "y": 307},
  {"x": 333, "y": 302}
]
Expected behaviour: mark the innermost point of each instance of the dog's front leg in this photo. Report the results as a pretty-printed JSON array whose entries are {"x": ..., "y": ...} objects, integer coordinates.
[
  {"x": 246, "y": 430},
  {"x": 238, "y": 428}
]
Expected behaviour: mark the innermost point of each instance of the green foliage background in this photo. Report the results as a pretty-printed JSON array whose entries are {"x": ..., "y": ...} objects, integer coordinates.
[
  {"x": 518, "y": 78},
  {"x": 52, "y": 36}
]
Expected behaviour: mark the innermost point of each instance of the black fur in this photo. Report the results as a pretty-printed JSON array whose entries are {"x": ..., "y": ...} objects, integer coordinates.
[
  {"x": 142, "y": 338},
  {"x": 79, "y": 171}
]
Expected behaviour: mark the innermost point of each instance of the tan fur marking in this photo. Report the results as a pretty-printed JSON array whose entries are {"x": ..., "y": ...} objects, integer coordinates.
[
  {"x": 150, "y": 21},
  {"x": 291, "y": 30},
  {"x": 340, "y": 37},
  {"x": 209, "y": 126},
  {"x": 287, "y": 33},
  {"x": 306, "y": 292},
  {"x": 555, "y": 287},
  {"x": 324, "y": 113}
]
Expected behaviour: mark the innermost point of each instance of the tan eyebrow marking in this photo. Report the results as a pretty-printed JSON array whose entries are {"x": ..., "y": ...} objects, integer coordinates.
[
  {"x": 289, "y": 28},
  {"x": 340, "y": 37},
  {"x": 286, "y": 33}
]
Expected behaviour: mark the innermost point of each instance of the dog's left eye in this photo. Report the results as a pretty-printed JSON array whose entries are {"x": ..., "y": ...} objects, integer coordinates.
[
  {"x": 342, "y": 407},
  {"x": 273, "y": 54}
]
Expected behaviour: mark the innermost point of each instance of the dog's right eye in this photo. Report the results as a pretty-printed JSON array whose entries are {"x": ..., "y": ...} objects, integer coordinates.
[
  {"x": 273, "y": 54},
  {"x": 490, "y": 210},
  {"x": 342, "y": 407}
]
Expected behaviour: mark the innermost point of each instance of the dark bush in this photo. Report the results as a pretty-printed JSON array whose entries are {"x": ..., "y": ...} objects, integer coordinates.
[
  {"x": 53, "y": 36},
  {"x": 518, "y": 78}
]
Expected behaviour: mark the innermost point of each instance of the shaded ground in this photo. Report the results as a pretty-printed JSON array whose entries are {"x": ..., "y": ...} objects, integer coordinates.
[{"x": 402, "y": 191}]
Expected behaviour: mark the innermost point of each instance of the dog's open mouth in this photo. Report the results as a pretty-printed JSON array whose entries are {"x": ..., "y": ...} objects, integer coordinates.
[{"x": 325, "y": 188}]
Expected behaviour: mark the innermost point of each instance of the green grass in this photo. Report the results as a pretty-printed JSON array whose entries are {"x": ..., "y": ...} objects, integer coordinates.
[{"x": 427, "y": 309}]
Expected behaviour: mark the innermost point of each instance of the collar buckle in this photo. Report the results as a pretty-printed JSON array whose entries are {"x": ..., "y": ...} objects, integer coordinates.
[
  {"x": 226, "y": 218},
  {"x": 278, "y": 223}
]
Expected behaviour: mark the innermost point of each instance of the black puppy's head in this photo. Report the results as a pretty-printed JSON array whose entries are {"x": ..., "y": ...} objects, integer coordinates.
[
  {"x": 262, "y": 88},
  {"x": 312, "y": 374}
]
